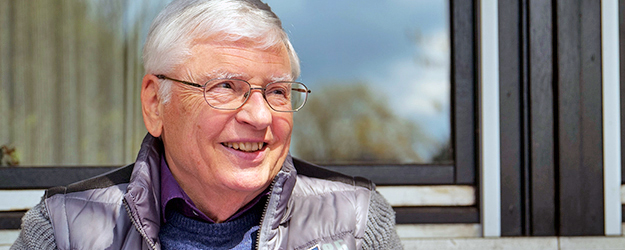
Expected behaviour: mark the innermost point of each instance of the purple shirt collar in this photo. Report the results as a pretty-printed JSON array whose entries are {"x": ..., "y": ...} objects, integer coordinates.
[{"x": 171, "y": 192}]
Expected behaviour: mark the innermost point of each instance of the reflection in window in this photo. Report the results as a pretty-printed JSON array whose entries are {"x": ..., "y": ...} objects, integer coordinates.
[
  {"x": 379, "y": 72},
  {"x": 70, "y": 74}
]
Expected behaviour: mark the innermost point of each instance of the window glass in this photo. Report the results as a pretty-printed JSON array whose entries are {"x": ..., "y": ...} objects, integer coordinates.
[
  {"x": 380, "y": 78},
  {"x": 70, "y": 74}
]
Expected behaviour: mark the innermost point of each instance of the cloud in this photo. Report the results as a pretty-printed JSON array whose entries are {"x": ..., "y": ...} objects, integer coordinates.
[
  {"x": 412, "y": 89},
  {"x": 401, "y": 47},
  {"x": 416, "y": 90}
]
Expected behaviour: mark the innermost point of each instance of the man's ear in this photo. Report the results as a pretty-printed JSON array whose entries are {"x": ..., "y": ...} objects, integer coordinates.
[{"x": 151, "y": 105}]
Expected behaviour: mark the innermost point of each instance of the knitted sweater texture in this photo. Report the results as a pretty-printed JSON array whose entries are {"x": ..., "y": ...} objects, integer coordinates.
[{"x": 181, "y": 232}]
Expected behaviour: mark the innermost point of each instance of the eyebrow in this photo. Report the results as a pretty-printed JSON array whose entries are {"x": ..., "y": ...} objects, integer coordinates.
[
  {"x": 220, "y": 73},
  {"x": 283, "y": 78}
]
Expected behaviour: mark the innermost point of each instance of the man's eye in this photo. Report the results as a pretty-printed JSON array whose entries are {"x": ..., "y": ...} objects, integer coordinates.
[
  {"x": 278, "y": 90},
  {"x": 225, "y": 85},
  {"x": 281, "y": 92}
]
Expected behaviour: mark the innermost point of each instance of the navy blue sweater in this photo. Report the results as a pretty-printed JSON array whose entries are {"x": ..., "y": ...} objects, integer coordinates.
[{"x": 181, "y": 232}]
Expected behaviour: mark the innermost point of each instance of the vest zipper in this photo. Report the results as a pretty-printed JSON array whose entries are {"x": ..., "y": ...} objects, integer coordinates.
[
  {"x": 262, "y": 218},
  {"x": 136, "y": 224}
]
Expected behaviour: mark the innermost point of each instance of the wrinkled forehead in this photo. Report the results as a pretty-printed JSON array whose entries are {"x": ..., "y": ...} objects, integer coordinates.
[{"x": 232, "y": 59}]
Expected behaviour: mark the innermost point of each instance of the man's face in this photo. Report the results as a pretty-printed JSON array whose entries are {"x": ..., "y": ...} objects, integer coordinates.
[{"x": 200, "y": 141}]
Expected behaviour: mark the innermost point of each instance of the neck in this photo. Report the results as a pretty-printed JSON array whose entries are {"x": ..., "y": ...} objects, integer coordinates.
[
  {"x": 223, "y": 206},
  {"x": 217, "y": 203}
]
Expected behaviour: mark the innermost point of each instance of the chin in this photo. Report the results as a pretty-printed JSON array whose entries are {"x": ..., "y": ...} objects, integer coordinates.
[
  {"x": 249, "y": 183},
  {"x": 247, "y": 187}
]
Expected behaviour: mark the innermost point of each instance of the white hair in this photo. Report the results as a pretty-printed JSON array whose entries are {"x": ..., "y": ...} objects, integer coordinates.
[{"x": 170, "y": 38}]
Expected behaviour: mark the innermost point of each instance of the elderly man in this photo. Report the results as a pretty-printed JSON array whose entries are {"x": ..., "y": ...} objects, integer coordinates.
[{"x": 214, "y": 172}]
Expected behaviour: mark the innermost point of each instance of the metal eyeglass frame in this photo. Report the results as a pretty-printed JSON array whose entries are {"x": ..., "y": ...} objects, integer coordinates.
[{"x": 247, "y": 95}]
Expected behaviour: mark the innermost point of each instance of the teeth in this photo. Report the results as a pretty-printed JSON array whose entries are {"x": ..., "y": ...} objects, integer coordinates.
[{"x": 245, "y": 146}]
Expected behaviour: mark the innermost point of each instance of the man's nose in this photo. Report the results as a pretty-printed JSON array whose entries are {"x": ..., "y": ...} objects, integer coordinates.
[{"x": 255, "y": 111}]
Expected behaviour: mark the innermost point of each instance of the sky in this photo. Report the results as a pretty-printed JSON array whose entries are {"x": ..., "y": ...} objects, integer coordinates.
[{"x": 400, "y": 47}]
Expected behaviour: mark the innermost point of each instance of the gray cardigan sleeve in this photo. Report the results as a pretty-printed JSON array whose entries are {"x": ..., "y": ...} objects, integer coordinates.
[
  {"x": 37, "y": 232},
  {"x": 380, "y": 232}
]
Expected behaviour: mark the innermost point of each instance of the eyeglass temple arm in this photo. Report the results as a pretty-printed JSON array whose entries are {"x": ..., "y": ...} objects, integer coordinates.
[
  {"x": 163, "y": 77},
  {"x": 302, "y": 90}
]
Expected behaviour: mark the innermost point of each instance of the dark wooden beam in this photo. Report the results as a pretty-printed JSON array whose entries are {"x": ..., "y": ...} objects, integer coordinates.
[
  {"x": 512, "y": 80},
  {"x": 46, "y": 177},
  {"x": 541, "y": 142},
  {"x": 436, "y": 215},
  {"x": 463, "y": 80},
  {"x": 580, "y": 152},
  {"x": 400, "y": 174},
  {"x": 11, "y": 220}
]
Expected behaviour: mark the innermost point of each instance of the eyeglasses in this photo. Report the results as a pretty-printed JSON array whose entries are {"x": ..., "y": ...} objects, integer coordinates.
[{"x": 231, "y": 94}]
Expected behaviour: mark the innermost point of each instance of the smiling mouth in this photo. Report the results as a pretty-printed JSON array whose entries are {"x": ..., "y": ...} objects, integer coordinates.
[{"x": 245, "y": 146}]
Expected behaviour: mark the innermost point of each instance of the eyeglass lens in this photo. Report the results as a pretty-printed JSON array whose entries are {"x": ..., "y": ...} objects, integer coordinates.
[{"x": 232, "y": 93}]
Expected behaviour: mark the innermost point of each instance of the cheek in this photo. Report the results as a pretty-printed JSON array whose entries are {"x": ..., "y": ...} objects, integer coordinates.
[
  {"x": 181, "y": 118},
  {"x": 211, "y": 123},
  {"x": 283, "y": 126}
]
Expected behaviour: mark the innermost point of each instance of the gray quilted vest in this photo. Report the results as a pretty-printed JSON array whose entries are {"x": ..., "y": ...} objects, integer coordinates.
[{"x": 308, "y": 208}]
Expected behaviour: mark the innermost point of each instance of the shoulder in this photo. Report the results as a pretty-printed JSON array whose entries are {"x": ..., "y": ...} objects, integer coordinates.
[
  {"x": 37, "y": 224},
  {"x": 109, "y": 179},
  {"x": 379, "y": 232},
  {"x": 319, "y": 173},
  {"x": 74, "y": 210},
  {"x": 324, "y": 196},
  {"x": 315, "y": 181},
  {"x": 99, "y": 194}
]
